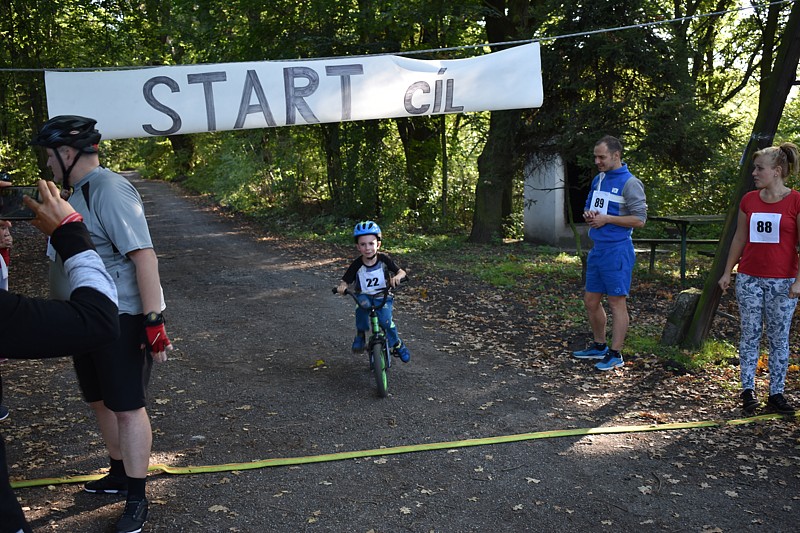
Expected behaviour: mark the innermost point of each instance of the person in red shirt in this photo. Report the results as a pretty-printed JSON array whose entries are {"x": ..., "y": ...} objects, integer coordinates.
[{"x": 767, "y": 280}]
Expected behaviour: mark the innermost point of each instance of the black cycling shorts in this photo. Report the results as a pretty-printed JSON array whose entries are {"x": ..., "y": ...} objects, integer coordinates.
[{"x": 118, "y": 374}]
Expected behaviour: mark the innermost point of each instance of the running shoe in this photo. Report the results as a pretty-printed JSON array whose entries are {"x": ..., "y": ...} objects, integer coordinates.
[
  {"x": 401, "y": 351},
  {"x": 108, "y": 484},
  {"x": 593, "y": 352},
  {"x": 359, "y": 343},
  {"x": 133, "y": 517},
  {"x": 610, "y": 362}
]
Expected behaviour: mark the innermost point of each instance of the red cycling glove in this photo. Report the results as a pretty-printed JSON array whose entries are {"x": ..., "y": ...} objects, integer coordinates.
[{"x": 156, "y": 333}]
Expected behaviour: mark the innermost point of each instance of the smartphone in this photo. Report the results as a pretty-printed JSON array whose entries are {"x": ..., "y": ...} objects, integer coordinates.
[{"x": 11, "y": 205}]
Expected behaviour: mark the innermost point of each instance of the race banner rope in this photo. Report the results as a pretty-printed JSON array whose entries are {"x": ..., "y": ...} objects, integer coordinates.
[{"x": 377, "y": 452}]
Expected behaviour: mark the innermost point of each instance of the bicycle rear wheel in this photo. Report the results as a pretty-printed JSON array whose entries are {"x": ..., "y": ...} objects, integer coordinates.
[{"x": 379, "y": 369}]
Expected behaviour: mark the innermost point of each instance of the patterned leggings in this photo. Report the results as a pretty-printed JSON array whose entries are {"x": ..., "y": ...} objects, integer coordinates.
[{"x": 764, "y": 300}]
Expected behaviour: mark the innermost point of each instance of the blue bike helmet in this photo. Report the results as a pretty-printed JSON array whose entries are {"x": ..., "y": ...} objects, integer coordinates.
[{"x": 367, "y": 227}]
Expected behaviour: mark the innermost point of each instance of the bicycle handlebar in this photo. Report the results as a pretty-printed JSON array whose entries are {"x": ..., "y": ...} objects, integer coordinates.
[{"x": 383, "y": 292}]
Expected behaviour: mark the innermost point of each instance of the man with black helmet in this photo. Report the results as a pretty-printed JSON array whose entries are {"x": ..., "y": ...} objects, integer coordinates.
[
  {"x": 70, "y": 131},
  {"x": 113, "y": 379}
]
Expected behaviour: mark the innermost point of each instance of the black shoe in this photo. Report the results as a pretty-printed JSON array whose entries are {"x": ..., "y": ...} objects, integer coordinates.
[
  {"x": 3, "y": 412},
  {"x": 134, "y": 516},
  {"x": 749, "y": 401},
  {"x": 108, "y": 484},
  {"x": 778, "y": 404}
]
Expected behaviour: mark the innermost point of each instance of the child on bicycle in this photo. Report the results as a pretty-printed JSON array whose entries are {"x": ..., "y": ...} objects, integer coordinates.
[{"x": 369, "y": 274}]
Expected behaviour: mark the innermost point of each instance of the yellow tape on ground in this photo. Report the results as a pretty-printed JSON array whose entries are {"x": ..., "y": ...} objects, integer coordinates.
[{"x": 376, "y": 452}]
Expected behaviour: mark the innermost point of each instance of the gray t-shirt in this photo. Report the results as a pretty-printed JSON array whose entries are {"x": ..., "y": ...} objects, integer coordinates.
[{"x": 115, "y": 218}]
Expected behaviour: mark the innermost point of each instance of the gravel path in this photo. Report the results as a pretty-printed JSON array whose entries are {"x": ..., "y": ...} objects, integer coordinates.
[{"x": 263, "y": 370}]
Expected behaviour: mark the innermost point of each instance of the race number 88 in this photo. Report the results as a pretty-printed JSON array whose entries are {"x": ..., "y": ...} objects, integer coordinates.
[{"x": 764, "y": 226}]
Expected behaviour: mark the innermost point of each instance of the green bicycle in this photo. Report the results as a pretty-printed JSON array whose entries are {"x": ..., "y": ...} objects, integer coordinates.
[{"x": 378, "y": 348}]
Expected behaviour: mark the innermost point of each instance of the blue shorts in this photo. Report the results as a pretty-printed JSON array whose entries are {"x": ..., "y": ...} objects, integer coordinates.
[{"x": 609, "y": 269}]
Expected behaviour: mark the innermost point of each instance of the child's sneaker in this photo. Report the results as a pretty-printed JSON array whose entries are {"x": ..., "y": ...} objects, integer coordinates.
[
  {"x": 402, "y": 352},
  {"x": 359, "y": 343}
]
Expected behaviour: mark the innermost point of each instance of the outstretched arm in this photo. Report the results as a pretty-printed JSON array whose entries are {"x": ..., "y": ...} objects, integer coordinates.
[{"x": 33, "y": 328}]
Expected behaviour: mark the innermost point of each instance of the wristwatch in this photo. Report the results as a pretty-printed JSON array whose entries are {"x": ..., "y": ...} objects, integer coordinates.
[{"x": 153, "y": 319}]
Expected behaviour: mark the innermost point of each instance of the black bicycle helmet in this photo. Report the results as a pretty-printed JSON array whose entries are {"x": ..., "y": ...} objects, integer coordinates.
[
  {"x": 69, "y": 130},
  {"x": 367, "y": 227}
]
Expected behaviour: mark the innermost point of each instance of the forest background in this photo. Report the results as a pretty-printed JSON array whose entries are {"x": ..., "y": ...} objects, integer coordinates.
[{"x": 679, "y": 83}]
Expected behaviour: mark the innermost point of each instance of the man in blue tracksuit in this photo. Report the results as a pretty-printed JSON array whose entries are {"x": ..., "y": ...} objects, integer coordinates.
[{"x": 616, "y": 205}]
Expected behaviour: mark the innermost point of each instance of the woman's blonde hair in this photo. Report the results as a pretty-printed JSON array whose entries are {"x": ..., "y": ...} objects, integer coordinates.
[{"x": 786, "y": 156}]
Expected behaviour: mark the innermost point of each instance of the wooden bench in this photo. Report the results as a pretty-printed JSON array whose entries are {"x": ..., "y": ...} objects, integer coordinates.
[{"x": 654, "y": 243}]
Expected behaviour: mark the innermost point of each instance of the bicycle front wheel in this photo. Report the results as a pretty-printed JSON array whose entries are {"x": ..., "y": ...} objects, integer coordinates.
[{"x": 379, "y": 369}]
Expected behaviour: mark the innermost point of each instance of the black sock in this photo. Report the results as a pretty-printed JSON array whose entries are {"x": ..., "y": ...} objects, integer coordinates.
[
  {"x": 117, "y": 468},
  {"x": 599, "y": 345},
  {"x": 136, "y": 488},
  {"x": 614, "y": 353}
]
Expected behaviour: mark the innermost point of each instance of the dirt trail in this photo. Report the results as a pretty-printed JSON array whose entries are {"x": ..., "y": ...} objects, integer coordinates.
[{"x": 263, "y": 370}]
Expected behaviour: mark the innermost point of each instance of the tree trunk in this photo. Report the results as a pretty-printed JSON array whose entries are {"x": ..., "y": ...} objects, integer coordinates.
[
  {"x": 495, "y": 176},
  {"x": 445, "y": 178},
  {"x": 420, "y": 147},
  {"x": 332, "y": 146},
  {"x": 183, "y": 152},
  {"x": 776, "y": 82},
  {"x": 505, "y": 19}
]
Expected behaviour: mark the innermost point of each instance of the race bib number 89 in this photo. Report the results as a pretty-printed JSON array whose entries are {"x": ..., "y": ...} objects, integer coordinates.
[
  {"x": 765, "y": 228},
  {"x": 599, "y": 202}
]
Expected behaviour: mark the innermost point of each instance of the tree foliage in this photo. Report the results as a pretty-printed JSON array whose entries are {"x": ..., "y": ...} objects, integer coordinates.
[{"x": 673, "y": 92}]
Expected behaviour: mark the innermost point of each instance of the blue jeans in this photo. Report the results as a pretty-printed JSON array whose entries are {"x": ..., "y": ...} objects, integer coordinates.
[
  {"x": 384, "y": 316},
  {"x": 764, "y": 300}
]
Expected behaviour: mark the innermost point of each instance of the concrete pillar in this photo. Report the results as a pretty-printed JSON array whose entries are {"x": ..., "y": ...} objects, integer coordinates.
[{"x": 544, "y": 210}]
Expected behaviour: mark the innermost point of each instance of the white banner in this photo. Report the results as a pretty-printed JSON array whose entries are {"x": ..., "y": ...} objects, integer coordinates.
[{"x": 201, "y": 98}]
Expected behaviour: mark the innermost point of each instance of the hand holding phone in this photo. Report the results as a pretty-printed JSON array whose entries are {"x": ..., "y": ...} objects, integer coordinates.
[{"x": 50, "y": 210}]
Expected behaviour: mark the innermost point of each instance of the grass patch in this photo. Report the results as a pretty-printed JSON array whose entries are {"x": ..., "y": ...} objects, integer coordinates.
[
  {"x": 508, "y": 266},
  {"x": 714, "y": 352},
  {"x": 647, "y": 340},
  {"x": 502, "y": 275}
]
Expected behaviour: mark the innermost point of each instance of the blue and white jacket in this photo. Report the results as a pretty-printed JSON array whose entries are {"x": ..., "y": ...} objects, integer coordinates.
[{"x": 624, "y": 194}]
